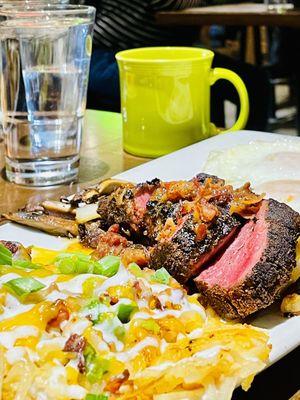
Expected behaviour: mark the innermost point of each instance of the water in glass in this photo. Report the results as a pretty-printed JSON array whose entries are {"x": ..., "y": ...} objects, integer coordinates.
[{"x": 43, "y": 86}]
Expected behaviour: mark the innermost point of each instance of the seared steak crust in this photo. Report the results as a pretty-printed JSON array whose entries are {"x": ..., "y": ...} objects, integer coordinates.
[
  {"x": 269, "y": 276},
  {"x": 110, "y": 212},
  {"x": 183, "y": 255},
  {"x": 89, "y": 233},
  {"x": 201, "y": 178}
]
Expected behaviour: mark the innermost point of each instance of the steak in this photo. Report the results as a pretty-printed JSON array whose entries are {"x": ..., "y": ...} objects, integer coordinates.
[
  {"x": 90, "y": 232},
  {"x": 127, "y": 207},
  {"x": 183, "y": 255},
  {"x": 236, "y": 248},
  {"x": 257, "y": 265}
]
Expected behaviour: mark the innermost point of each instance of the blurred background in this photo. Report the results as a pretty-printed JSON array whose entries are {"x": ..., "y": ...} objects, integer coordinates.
[{"x": 265, "y": 57}]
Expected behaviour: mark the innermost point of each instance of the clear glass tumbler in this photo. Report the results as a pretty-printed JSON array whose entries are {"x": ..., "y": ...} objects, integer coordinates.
[
  {"x": 25, "y": 3},
  {"x": 44, "y": 66}
]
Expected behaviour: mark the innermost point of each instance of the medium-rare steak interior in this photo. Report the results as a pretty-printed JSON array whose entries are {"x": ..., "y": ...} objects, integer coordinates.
[
  {"x": 238, "y": 248},
  {"x": 256, "y": 266},
  {"x": 183, "y": 254}
]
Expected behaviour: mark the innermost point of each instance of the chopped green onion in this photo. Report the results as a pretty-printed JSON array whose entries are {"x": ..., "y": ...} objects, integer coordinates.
[
  {"x": 78, "y": 263},
  {"x": 5, "y": 255},
  {"x": 6, "y": 258},
  {"x": 135, "y": 270},
  {"x": 150, "y": 325},
  {"x": 24, "y": 286},
  {"x": 96, "y": 397},
  {"x": 161, "y": 276},
  {"x": 79, "y": 255},
  {"x": 74, "y": 263},
  {"x": 96, "y": 366},
  {"x": 107, "y": 266},
  {"x": 125, "y": 311},
  {"x": 25, "y": 264}
]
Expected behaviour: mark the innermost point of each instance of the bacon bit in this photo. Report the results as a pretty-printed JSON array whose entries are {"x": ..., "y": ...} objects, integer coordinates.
[
  {"x": 137, "y": 254},
  {"x": 216, "y": 192},
  {"x": 114, "y": 239},
  {"x": 201, "y": 231},
  {"x": 63, "y": 314},
  {"x": 75, "y": 344},
  {"x": 176, "y": 190},
  {"x": 115, "y": 228},
  {"x": 245, "y": 202},
  {"x": 168, "y": 230},
  {"x": 201, "y": 209},
  {"x": 154, "y": 303},
  {"x": 208, "y": 211},
  {"x": 113, "y": 300},
  {"x": 110, "y": 243},
  {"x": 114, "y": 385},
  {"x": 81, "y": 364}
]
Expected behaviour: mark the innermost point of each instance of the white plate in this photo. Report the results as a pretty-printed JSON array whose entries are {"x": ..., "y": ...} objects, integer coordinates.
[{"x": 184, "y": 164}]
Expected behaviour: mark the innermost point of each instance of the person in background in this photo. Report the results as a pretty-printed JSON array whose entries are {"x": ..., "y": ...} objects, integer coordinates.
[{"x": 125, "y": 24}]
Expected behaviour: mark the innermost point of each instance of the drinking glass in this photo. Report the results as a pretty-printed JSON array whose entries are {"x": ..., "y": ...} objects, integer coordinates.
[
  {"x": 11, "y": 3},
  {"x": 44, "y": 66}
]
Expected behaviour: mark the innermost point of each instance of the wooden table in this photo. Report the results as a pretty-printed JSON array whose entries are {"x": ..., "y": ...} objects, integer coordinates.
[
  {"x": 102, "y": 156},
  {"x": 230, "y": 14}
]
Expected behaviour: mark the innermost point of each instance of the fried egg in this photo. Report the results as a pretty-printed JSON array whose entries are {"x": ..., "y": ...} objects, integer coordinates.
[{"x": 271, "y": 167}]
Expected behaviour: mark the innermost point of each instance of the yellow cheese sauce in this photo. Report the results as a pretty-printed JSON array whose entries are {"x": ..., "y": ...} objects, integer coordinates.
[{"x": 133, "y": 334}]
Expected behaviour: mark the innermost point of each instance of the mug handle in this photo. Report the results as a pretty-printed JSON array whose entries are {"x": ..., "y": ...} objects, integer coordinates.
[{"x": 223, "y": 73}]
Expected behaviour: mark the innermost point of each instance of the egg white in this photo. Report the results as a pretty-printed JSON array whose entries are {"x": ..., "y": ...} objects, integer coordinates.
[{"x": 270, "y": 167}]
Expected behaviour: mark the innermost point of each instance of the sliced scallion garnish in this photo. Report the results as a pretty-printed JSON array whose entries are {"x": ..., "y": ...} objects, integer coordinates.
[
  {"x": 24, "y": 286},
  {"x": 108, "y": 266},
  {"x": 5, "y": 255}
]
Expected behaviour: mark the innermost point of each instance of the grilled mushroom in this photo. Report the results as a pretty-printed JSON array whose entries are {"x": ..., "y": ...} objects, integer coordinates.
[
  {"x": 62, "y": 217},
  {"x": 47, "y": 223},
  {"x": 92, "y": 194},
  {"x": 57, "y": 206}
]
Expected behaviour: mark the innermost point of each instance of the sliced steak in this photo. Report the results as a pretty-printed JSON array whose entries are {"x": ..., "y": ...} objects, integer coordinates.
[
  {"x": 139, "y": 218},
  {"x": 183, "y": 255},
  {"x": 201, "y": 178},
  {"x": 127, "y": 207},
  {"x": 256, "y": 266}
]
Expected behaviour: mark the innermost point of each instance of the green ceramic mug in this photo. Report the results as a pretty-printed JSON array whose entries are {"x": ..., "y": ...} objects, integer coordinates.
[{"x": 165, "y": 98}]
